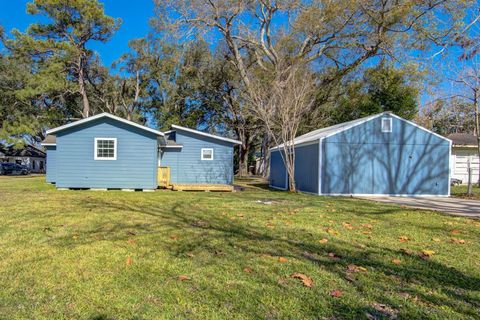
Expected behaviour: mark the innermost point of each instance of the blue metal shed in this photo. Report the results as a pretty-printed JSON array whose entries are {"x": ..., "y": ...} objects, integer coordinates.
[
  {"x": 376, "y": 155},
  {"x": 108, "y": 152}
]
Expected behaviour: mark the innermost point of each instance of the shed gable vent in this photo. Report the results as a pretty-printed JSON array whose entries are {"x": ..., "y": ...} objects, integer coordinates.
[{"x": 386, "y": 124}]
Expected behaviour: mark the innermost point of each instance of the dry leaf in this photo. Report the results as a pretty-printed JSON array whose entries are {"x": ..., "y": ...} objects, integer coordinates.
[
  {"x": 282, "y": 259},
  {"x": 190, "y": 255},
  {"x": 355, "y": 268},
  {"x": 131, "y": 241},
  {"x": 347, "y": 225},
  {"x": 248, "y": 270},
  {"x": 436, "y": 239},
  {"x": 333, "y": 232},
  {"x": 174, "y": 237},
  {"x": 323, "y": 241},
  {"x": 307, "y": 281},
  {"x": 425, "y": 254},
  {"x": 270, "y": 226},
  {"x": 367, "y": 225},
  {"x": 129, "y": 261},
  {"x": 183, "y": 277},
  {"x": 396, "y": 261},
  {"x": 458, "y": 241},
  {"x": 336, "y": 293},
  {"x": 455, "y": 231},
  {"x": 403, "y": 239},
  {"x": 240, "y": 215}
]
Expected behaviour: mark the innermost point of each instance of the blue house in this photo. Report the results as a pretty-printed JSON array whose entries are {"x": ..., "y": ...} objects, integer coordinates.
[
  {"x": 381, "y": 154},
  {"x": 108, "y": 152}
]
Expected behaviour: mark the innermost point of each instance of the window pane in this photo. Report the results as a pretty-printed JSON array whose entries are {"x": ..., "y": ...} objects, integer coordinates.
[{"x": 106, "y": 148}]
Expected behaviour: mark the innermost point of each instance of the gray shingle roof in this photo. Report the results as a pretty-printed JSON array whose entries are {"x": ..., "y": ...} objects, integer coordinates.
[
  {"x": 463, "y": 139},
  {"x": 50, "y": 139}
]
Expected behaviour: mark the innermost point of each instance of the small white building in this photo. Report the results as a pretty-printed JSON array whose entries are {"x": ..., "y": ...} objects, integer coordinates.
[
  {"x": 464, "y": 151},
  {"x": 28, "y": 156}
]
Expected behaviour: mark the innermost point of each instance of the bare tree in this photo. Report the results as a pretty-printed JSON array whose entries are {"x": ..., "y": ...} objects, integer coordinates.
[{"x": 281, "y": 104}]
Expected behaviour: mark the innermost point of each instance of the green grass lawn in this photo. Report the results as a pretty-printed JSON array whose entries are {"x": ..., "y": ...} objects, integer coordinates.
[
  {"x": 164, "y": 255},
  {"x": 461, "y": 192}
]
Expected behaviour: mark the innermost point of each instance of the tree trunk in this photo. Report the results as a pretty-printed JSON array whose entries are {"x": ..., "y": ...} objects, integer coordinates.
[
  {"x": 244, "y": 137},
  {"x": 83, "y": 90}
]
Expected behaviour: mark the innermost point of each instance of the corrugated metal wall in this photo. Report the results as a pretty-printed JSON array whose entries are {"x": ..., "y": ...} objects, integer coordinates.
[
  {"x": 278, "y": 173},
  {"x": 364, "y": 160}
]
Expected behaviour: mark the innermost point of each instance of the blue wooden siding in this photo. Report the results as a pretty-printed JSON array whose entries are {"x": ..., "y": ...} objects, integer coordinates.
[
  {"x": 186, "y": 165},
  {"x": 364, "y": 160},
  {"x": 51, "y": 166},
  {"x": 306, "y": 168},
  {"x": 135, "y": 167},
  {"x": 278, "y": 172}
]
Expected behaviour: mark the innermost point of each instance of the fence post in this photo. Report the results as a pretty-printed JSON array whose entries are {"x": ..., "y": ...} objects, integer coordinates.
[{"x": 469, "y": 171}]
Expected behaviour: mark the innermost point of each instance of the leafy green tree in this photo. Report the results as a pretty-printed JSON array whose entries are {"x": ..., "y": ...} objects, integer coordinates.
[
  {"x": 382, "y": 88},
  {"x": 58, "y": 47}
]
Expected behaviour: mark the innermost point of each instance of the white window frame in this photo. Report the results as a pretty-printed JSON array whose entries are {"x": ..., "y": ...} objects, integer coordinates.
[
  {"x": 391, "y": 125},
  {"x": 95, "y": 154},
  {"x": 206, "y": 149}
]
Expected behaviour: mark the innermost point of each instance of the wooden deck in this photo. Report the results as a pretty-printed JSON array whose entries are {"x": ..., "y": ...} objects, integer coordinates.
[{"x": 202, "y": 187}]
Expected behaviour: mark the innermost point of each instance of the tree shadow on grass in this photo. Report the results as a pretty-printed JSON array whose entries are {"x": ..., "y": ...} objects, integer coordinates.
[{"x": 202, "y": 230}]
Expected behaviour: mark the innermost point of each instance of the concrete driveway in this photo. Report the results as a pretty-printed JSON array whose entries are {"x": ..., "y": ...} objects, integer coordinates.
[{"x": 455, "y": 206}]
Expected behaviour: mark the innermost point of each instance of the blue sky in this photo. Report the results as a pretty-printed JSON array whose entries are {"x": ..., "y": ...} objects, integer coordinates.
[{"x": 134, "y": 14}]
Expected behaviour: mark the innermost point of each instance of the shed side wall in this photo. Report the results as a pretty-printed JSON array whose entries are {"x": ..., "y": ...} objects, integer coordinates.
[
  {"x": 51, "y": 165},
  {"x": 186, "y": 165},
  {"x": 135, "y": 167}
]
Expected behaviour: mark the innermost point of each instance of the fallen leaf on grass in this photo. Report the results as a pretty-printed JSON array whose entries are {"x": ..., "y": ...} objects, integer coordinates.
[
  {"x": 454, "y": 231},
  {"x": 183, "y": 277},
  {"x": 333, "y": 256},
  {"x": 425, "y": 254},
  {"x": 403, "y": 239},
  {"x": 355, "y": 268},
  {"x": 270, "y": 226},
  {"x": 384, "y": 311},
  {"x": 323, "y": 241},
  {"x": 333, "y": 232},
  {"x": 347, "y": 225},
  {"x": 336, "y": 293},
  {"x": 436, "y": 239},
  {"x": 240, "y": 215},
  {"x": 129, "y": 261},
  {"x": 307, "y": 281},
  {"x": 248, "y": 270},
  {"x": 367, "y": 225},
  {"x": 458, "y": 241},
  {"x": 282, "y": 260},
  {"x": 131, "y": 241},
  {"x": 174, "y": 237},
  {"x": 190, "y": 255},
  {"x": 396, "y": 261}
]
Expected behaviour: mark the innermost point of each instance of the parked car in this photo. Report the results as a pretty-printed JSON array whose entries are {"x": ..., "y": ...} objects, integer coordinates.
[
  {"x": 13, "y": 168},
  {"x": 455, "y": 182},
  {"x": 6, "y": 168}
]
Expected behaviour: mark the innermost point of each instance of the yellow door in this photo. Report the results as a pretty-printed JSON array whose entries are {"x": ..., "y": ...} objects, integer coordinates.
[{"x": 163, "y": 177}]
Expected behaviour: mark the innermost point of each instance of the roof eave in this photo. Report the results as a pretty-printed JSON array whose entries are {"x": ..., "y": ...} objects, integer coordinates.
[
  {"x": 205, "y": 134},
  {"x": 101, "y": 115}
]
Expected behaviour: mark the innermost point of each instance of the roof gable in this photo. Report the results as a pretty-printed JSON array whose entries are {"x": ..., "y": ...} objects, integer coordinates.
[
  {"x": 103, "y": 115},
  {"x": 341, "y": 127}
]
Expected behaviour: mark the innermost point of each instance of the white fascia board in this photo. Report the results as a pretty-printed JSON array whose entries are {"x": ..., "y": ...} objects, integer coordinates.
[
  {"x": 48, "y": 144},
  {"x": 421, "y": 128},
  {"x": 101, "y": 115},
  {"x": 174, "y": 126},
  {"x": 172, "y": 147},
  {"x": 302, "y": 144}
]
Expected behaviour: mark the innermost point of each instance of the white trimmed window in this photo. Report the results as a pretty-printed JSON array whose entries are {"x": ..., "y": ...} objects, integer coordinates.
[
  {"x": 386, "y": 124},
  {"x": 207, "y": 154},
  {"x": 105, "y": 149}
]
